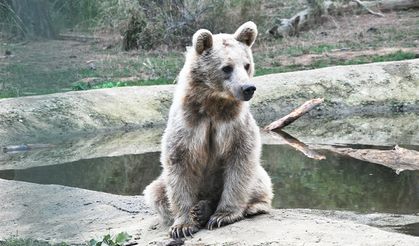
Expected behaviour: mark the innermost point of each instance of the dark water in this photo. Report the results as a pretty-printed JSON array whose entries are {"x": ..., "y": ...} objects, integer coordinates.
[
  {"x": 339, "y": 182},
  {"x": 411, "y": 229}
]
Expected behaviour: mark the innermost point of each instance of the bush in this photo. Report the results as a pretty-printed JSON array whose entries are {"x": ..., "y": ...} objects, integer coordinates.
[
  {"x": 172, "y": 23},
  {"x": 143, "y": 24}
]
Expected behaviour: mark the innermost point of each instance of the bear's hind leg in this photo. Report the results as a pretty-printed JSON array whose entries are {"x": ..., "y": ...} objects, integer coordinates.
[
  {"x": 156, "y": 197},
  {"x": 261, "y": 197},
  {"x": 258, "y": 207}
]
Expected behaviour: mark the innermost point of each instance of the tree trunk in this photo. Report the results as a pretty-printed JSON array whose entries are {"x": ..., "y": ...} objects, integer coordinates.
[
  {"x": 319, "y": 9},
  {"x": 34, "y": 17},
  {"x": 388, "y": 5}
]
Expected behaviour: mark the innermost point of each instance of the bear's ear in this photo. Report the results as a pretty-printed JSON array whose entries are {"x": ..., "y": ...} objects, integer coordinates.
[
  {"x": 202, "y": 40},
  {"x": 247, "y": 33}
]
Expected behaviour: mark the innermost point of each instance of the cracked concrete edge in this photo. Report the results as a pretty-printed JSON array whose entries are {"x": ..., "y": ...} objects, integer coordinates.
[
  {"x": 348, "y": 90},
  {"x": 350, "y": 130},
  {"x": 89, "y": 146},
  {"x": 56, "y": 214}
]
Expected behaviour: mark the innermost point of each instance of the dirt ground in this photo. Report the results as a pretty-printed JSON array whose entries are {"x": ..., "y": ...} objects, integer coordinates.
[{"x": 43, "y": 67}]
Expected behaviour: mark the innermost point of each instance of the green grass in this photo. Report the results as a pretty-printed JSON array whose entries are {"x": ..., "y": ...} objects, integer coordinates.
[
  {"x": 14, "y": 241},
  {"x": 396, "y": 56},
  {"x": 112, "y": 84},
  {"x": 322, "y": 48},
  {"x": 23, "y": 79},
  {"x": 279, "y": 69},
  {"x": 117, "y": 240},
  {"x": 46, "y": 67},
  {"x": 301, "y": 50}
]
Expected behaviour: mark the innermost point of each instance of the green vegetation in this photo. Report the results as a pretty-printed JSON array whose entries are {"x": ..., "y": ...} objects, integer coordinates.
[
  {"x": 283, "y": 69},
  {"x": 15, "y": 241},
  {"x": 172, "y": 23},
  {"x": 111, "y": 84},
  {"x": 9, "y": 23},
  {"x": 144, "y": 24},
  {"x": 315, "y": 49},
  {"x": 50, "y": 67},
  {"x": 107, "y": 240},
  {"x": 320, "y": 63},
  {"x": 118, "y": 240},
  {"x": 396, "y": 56}
]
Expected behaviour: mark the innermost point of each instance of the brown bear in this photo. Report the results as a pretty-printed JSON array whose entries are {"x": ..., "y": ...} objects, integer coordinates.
[{"x": 211, "y": 147}]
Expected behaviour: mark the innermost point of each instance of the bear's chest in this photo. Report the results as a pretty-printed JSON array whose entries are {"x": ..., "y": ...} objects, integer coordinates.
[{"x": 214, "y": 140}]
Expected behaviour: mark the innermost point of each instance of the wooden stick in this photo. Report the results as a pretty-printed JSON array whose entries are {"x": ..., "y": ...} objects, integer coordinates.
[
  {"x": 368, "y": 9},
  {"x": 297, "y": 144},
  {"x": 294, "y": 115},
  {"x": 25, "y": 147}
]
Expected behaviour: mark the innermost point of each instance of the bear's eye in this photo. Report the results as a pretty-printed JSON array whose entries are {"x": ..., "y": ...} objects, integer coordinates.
[
  {"x": 247, "y": 67},
  {"x": 227, "y": 69}
]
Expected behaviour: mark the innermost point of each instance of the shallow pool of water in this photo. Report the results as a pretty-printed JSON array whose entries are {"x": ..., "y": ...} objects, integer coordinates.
[
  {"x": 411, "y": 229},
  {"x": 338, "y": 182}
]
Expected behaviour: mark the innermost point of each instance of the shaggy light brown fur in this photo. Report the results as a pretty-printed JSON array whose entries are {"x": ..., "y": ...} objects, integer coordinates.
[{"x": 211, "y": 147}]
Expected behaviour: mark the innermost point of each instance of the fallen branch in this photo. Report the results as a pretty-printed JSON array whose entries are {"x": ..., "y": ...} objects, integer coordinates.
[
  {"x": 25, "y": 147},
  {"x": 361, "y": 4},
  {"x": 297, "y": 144},
  {"x": 294, "y": 115},
  {"x": 399, "y": 158},
  {"x": 301, "y": 20}
]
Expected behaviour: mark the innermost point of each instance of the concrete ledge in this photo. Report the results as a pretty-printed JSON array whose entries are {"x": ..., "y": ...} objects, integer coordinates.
[
  {"x": 38, "y": 212},
  {"x": 81, "y": 113},
  {"x": 376, "y": 88},
  {"x": 381, "y": 130}
]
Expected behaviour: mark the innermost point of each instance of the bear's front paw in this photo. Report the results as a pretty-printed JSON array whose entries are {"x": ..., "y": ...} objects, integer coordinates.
[
  {"x": 222, "y": 218},
  {"x": 183, "y": 230},
  {"x": 201, "y": 212}
]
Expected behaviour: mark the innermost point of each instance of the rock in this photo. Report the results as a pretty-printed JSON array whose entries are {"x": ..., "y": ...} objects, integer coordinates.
[
  {"x": 91, "y": 64},
  {"x": 373, "y": 30},
  {"x": 62, "y": 214},
  {"x": 80, "y": 113}
]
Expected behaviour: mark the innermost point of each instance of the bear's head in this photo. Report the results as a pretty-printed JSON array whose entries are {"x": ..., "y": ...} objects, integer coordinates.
[{"x": 224, "y": 63}]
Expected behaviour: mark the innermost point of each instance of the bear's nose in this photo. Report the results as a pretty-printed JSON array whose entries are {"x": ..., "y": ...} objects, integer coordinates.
[{"x": 248, "y": 91}]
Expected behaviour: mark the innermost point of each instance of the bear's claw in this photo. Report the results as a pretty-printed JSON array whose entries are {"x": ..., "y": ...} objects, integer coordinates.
[
  {"x": 223, "y": 218},
  {"x": 183, "y": 230}
]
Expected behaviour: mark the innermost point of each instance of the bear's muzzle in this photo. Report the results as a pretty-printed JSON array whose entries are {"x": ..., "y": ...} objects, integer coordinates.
[{"x": 247, "y": 91}]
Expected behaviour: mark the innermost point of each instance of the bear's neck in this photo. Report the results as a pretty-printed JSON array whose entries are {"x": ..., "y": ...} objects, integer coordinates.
[{"x": 201, "y": 103}]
